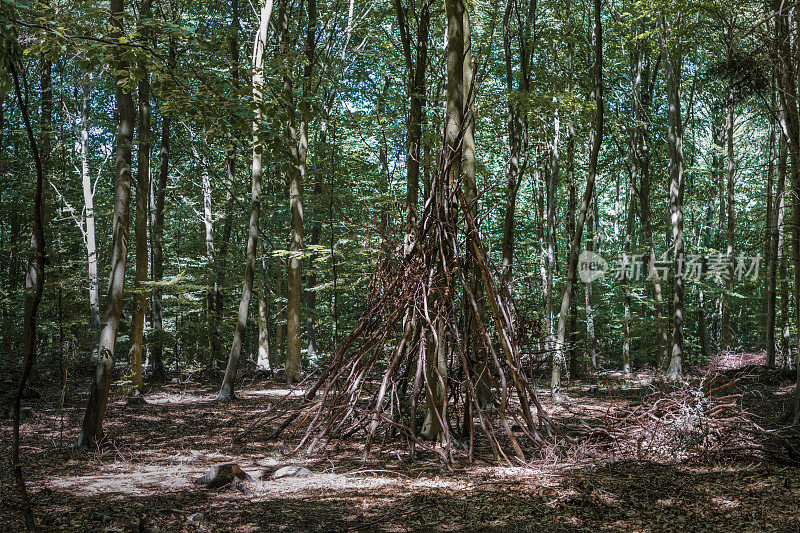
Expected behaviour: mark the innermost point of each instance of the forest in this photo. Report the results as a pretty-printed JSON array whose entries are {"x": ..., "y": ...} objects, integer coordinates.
[{"x": 372, "y": 265}]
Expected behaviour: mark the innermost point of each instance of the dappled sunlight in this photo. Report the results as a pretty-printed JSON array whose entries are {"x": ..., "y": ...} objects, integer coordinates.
[{"x": 146, "y": 471}]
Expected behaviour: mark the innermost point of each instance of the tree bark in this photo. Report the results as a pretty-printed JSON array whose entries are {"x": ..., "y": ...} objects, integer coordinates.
[
  {"x": 596, "y": 141},
  {"x": 727, "y": 331},
  {"x": 34, "y": 278},
  {"x": 437, "y": 351},
  {"x": 643, "y": 96},
  {"x": 673, "y": 64},
  {"x": 92, "y": 427},
  {"x": 416, "y": 68},
  {"x": 591, "y": 352},
  {"x": 140, "y": 228},
  {"x": 626, "y": 247},
  {"x": 230, "y": 167},
  {"x": 229, "y": 380},
  {"x": 780, "y": 211},
  {"x": 771, "y": 244},
  {"x": 212, "y": 270},
  {"x": 157, "y": 251},
  {"x": 516, "y": 132},
  {"x": 262, "y": 362},
  {"x": 91, "y": 240},
  {"x": 298, "y": 137}
]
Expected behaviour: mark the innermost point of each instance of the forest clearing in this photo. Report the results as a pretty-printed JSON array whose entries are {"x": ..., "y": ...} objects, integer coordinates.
[
  {"x": 342, "y": 265},
  {"x": 142, "y": 479}
]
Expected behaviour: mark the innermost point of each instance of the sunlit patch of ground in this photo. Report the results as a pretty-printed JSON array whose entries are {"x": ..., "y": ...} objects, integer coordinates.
[
  {"x": 735, "y": 360},
  {"x": 142, "y": 478}
]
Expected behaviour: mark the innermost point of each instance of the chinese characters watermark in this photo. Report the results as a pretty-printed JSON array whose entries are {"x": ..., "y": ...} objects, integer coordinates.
[{"x": 716, "y": 268}]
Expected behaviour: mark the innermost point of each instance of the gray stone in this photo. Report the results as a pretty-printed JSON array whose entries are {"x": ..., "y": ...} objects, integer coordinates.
[{"x": 291, "y": 471}]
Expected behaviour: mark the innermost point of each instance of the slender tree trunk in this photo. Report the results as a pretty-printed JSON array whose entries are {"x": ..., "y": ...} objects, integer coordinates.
[
  {"x": 91, "y": 241},
  {"x": 280, "y": 327},
  {"x": 416, "y": 66},
  {"x": 212, "y": 270},
  {"x": 791, "y": 129},
  {"x": 771, "y": 245},
  {"x": 157, "y": 251},
  {"x": 516, "y": 131},
  {"x": 262, "y": 363},
  {"x": 673, "y": 64},
  {"x": 140, "y": 228},
  {"x": 550, "y": 188},
  {"x": 574, "y": 364},
  {"x": 780, "y": 211},
  {"x": 437, "y": 352},
  {"x": 572, "y": 200},
  {"x": 703, "y": 325},
  {"x": 591, "y": 352},
  {"x": 299, "y": 151},
  {"x": 596, "y": 141},
  {"x": 311, "y": 297},
  {"x": 626, "y": 247},
  {"x": 316, "y": 231},
  {"x": 727, "y": 331},
  {"x": 230, "y": 167},
  {"x": 34, "y": 278},
  {"x": 228, "y": 382},
  {"x": 92, "y": 428},
  {"x": 643, "y": 96},
  {"x": 471, "y": 334}
]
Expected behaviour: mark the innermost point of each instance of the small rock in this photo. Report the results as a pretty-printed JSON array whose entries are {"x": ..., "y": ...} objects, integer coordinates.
[
  {"x": 196, "y": 518},
  {"x": 291, "y": 471}
]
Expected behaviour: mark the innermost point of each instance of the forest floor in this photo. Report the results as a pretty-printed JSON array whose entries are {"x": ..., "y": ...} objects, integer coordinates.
[{"x": 142, "y": 479}]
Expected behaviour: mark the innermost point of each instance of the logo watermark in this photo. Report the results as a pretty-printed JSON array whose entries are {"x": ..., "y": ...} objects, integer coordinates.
[
  {"x": 692, "y": 267},
  {"x": 591, "y": 266}
]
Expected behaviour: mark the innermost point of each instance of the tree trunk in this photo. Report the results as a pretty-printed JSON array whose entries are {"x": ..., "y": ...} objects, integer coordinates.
[
  {"x": 550, "y": 188},
  {"x": 228, "y": 382},
  {"x": 230, "y": 167},
  {"x": 91, "y": 241},
  {"x": 780, "y": 211},
  {"x": 591, "y": 352},
  {"x": 262, "y": 363},
  {"x": 626, "y": 247},
  {"x": 299, "y": 151},
  {"x": 727, "y": 331},
  {"x": 140, "y": 228},
  {"x": 596, "y": 141},
  {"x": 791, "y": 129},
  {"x": 643, "y": 96},
  {"x": 673, "y": 64},
  {"x": 574, "y": 365},
  {"x": 437, "y": 351},
  {"x": 416, "y": 68},
  {"x": 34, "y": 278},
  {"x": 92, "y": 427},
  {"x": 212, "y": 270},
  {"x": 771, "y": 244},
  {"x": 157, "y": 251},
  {"x": 572, "y": 200}
]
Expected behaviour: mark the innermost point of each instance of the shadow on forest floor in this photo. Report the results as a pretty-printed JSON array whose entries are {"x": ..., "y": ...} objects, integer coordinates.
[{"x": 142, "y": 479}]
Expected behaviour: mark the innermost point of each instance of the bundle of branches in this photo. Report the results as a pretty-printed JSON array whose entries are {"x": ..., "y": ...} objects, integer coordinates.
[
  {"x": 427, "y": 345},
  {"x": 706, "y": 420}
]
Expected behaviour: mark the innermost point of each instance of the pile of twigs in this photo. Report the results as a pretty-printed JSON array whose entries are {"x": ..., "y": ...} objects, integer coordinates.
[
  {"x": 702, "y": 421},
  {"x": 411, "y": 355}
]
